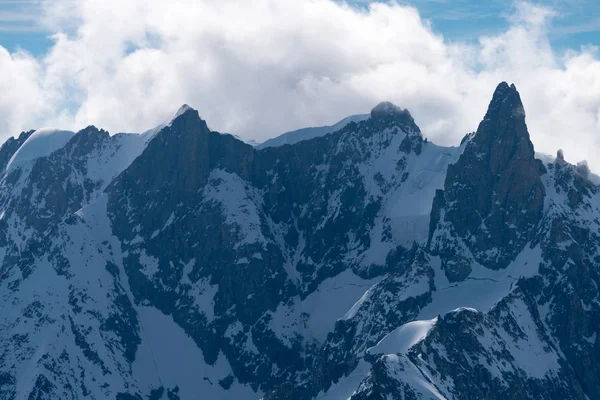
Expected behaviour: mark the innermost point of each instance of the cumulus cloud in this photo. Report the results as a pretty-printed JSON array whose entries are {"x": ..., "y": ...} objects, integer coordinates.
[{"x": 258, "y": 68}]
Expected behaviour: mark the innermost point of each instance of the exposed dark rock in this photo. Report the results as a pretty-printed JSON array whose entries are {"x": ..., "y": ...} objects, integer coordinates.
[
  {"x": 493, "y": 196},
  {"x": 226, "y": 241}
]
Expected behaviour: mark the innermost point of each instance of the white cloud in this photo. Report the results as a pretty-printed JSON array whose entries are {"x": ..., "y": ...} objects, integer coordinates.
[
  {"x": 21, "y": 96},
  {"x": 258, "y": 68}
]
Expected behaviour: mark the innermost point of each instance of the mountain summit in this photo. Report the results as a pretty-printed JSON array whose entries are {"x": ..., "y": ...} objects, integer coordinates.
[
  {"x": 183, "y": 261},
  {"x": 386, "y": 108},
  {"x": 493, "y": 196}
]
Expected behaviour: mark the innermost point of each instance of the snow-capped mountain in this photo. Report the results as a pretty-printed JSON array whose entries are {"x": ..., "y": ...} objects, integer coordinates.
[{"x": 364, "y": 262}]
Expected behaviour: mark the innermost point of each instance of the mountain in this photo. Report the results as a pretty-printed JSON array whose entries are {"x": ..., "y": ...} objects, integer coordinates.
[
  {"x": 309, "y": 133},
  {"x": 365, "y": 263}
]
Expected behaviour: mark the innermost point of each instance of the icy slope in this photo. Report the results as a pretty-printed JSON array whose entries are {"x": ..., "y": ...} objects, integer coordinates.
[
  {"x": 40, "y": 144},
  {"x": 310, "y": 133}
]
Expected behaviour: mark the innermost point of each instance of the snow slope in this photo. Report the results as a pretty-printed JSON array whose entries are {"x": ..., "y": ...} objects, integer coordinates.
[
  {"x": 41, "y": 143},
  {"x": 403, "y": 338},
  {"x": 409, "y": 207},
  {"x": 309, "y": 133}
]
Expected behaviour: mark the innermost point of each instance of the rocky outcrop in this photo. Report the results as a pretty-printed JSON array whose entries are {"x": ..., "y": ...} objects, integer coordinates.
[{"x": 493, "y": 197}]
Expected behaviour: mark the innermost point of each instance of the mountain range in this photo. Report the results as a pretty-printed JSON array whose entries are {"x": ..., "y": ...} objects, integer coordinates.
[{"x": 357, "y": 261}]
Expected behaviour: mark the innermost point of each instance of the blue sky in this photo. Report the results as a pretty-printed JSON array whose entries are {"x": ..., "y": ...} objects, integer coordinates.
[
  {"x": 577, "y": 22},
  {"x": 20, "y": 26}
]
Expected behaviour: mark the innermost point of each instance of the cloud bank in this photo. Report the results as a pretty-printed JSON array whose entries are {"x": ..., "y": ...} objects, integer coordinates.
[{"x": 258, "y": 68}]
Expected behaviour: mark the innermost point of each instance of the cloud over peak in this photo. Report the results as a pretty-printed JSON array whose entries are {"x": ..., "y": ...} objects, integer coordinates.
[{"x": 263, "y": 67}]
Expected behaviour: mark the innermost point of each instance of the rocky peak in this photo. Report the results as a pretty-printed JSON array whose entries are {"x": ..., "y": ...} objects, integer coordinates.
[
  {"x": 506, "y": 101},
  {"x": 386, "y": 112},
  {"x": 91, "y": 132},
  {"x": 387, "y": 121},
  {"x": 502, "y": 134},
  {"x": 175, "y": 166},
  {"x": 182, "y": 110},
  {"x": 560, "y": 157},
  {"x": 385, "y": 108},
  {"x": 85, "y": 140},
  {"x": 187, "y": 121},
  {"x": 178, "y": 156},
  {"x": 493, "y": 196}
]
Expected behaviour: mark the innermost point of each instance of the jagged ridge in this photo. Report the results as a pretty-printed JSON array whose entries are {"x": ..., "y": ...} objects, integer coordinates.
[{"x": 193, "y": 246}]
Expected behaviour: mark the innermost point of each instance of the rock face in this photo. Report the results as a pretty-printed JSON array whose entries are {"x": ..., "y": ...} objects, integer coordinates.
[
  {"x": 366, "y": 263},
  {"x": 493, "y": 196}
]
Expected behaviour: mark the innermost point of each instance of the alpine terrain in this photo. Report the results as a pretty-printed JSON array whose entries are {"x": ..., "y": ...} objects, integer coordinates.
[{"x": 355, "y": 261}]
